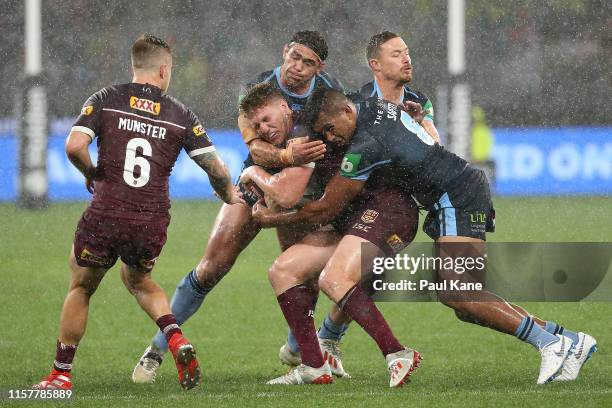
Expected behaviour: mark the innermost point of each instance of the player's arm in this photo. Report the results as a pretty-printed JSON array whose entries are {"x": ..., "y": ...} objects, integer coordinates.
[
  {"x": 219, "y": 176},
  {"x": 422, "y": 116},
  {"x": 430, "y": 128},
  {"x": 338, "y": 193},
  {"x": 267, "y": 155},
  {"x": 286, "y": 188},
  {"x": 77, "y": 150}
]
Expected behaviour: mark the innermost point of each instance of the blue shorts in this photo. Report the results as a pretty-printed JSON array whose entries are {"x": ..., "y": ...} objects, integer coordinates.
[{"x": 465, "y": 210}]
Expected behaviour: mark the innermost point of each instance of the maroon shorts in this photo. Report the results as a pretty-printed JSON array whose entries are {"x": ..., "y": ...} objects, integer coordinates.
[
  {"x": 387, "y": 218},
  {"x": 100, "y": 239}
]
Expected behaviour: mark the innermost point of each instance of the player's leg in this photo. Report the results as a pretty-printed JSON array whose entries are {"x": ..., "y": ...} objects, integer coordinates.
[
  {"x": 340, "y": 282},
  {"x": 152, "y": 299},
  {"x": 289, "y": 277},
  {"x": 232, "y": 231},
  {"x": 84, "y": 281}
]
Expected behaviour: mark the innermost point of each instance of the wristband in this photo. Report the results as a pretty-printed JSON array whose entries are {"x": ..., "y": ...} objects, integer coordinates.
[{"x": 286, "y": 156}]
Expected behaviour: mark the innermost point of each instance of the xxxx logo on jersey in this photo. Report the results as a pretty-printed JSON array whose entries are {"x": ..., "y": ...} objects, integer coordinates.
[
  {"x": 144, "y": 105},
  {"x": 87, "y": 110},
  {"x": 198, "y": 130}
]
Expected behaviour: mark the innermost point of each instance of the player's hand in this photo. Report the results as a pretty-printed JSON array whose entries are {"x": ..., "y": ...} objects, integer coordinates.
[
  {"x": 303, "y": 153},
  {"x": 90, "y": 179},
  {"x": 262, "y": 215},
  {"x": 247, "y": 175},
  {"x": 89, "y": 184},
  {"x": 415, "y": 110},
  {"x": 236, "y": 197}
]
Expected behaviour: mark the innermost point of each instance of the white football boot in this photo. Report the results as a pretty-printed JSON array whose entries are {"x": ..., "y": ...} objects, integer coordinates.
[
  {"x": 331, "y": 354},
  {"x": 580, "y": 354},
  {"x": 288, "y": 356},
  {"x": 146, "y": 369},
  {"x": 401, "y": 364},
  {"x": 553, "y": 357},
  {"x": 304, "y": 374}
]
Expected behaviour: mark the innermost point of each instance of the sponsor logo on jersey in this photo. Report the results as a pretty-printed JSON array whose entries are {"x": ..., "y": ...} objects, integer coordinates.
[
  {"x": 144, "y": 105},
  {"x": 350, "y": 164},
  {"x": 86, "y": 255},
  {"x": 369, "y": 216},
  {"x": 198, "y": 130},
  {"x": 396, "y": 243},
  {"x": 87, "y": 110}
]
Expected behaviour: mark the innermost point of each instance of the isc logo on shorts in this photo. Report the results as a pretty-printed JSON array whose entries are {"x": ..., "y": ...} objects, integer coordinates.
[
  {"x": 144, "y": 105},
  {"x": 369, "y": 216},
  {"x": 86, "y": 255}
]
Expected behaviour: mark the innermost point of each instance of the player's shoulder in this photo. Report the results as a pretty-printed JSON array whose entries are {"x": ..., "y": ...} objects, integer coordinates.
[
  {"x": 368, "y": 90},
  {"x": 330, "y": 81},
  {"x": 108, "y": 92},
  {"x": 264, "y": 76},
  {"x": 414, "y": 95}
]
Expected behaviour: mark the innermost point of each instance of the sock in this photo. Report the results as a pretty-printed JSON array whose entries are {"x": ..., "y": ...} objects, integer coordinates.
[
  {"x": 168, "y": 325},
  {"x": 64, "y": 354},
  {"x": 292, "y": 342},
  {"x": 330, "y": 330},
  {"x": 555, "y": 328},
  {"x": 186, "y": 300},
  {"x": 531, "y": 332},
  {"x": 296, "y": 304},
  {"x": 362, "y": 309}
]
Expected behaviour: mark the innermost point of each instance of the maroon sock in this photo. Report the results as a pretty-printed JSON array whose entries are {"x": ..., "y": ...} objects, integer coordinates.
[
  {"x": 64, "y": 354},
  {"x": 362, "y": 309},
  {"x": 296, "y": 304},
  {"x": 168, "y": 325}
]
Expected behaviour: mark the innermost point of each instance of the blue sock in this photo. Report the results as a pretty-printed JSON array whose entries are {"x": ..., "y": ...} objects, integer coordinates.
[
  {"x": 330, "y": 330},
  {"x": 293, "y": 345},
  {"x": 531, "y": 332},
  {"x": 555, "y": 328},
  {"x": 186, "y": 300}
]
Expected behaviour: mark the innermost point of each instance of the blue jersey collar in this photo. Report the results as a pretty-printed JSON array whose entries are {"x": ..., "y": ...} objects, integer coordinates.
[
  {"x": 288, "y": 92},
  {"x": 376, "y": 91}
]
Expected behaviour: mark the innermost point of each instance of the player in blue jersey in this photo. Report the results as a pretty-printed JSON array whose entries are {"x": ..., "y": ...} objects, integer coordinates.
[
  {"x": 296, "y": 78},
  {"x": 389, "y": 59},
  {"x": 387, "y": 146}
]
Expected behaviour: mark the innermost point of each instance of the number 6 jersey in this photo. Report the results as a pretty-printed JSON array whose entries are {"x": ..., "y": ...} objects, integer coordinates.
[{"x": 140, "y": 132}]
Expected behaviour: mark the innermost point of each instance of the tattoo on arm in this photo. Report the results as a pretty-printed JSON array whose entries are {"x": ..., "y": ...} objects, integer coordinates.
[{"x": 218, "y": 174}]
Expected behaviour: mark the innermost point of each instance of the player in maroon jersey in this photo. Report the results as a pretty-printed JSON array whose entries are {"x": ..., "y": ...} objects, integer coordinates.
[
  {"x": 140, "y": 132},
  {"x": 385, "y": 218}
]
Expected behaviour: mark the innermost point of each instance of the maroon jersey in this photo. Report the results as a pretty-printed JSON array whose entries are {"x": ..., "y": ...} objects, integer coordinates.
[{"x": 140, "y": 132}]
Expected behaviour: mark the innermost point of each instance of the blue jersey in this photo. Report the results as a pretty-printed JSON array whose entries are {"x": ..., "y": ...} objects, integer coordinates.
[
  {"x": 372, "y": 89},
  {"x": 391, "y": 146},
  {"x": 296, "y": 102}
]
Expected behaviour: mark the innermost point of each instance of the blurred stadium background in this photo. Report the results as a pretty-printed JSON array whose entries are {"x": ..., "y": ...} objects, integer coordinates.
[{"x": 539, "y": 70}]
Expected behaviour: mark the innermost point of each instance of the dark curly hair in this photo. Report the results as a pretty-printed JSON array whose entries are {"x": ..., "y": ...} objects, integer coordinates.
[{"x": 313, "y": 40}]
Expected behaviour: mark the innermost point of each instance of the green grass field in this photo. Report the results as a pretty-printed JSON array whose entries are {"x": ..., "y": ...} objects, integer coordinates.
[{"x": 240, "y": 327}]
